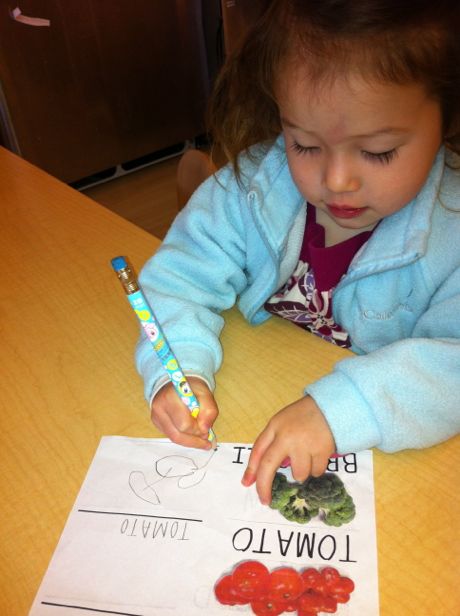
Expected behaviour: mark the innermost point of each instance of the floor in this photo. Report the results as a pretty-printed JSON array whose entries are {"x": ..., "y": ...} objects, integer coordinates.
[{"x": 147, "y": 197}]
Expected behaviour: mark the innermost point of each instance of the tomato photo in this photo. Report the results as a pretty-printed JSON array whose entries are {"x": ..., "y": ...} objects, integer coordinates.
[
  {"x": 251, "y": 579},
  {"x": 343, "y": 585},
  {"x": 283, "y": 590},
  {"x": 267, "y": 607},
  {"x": 310, "y": 577},
  {"x": 225, "y": 592},
  {"x": 285, "y": 584}
]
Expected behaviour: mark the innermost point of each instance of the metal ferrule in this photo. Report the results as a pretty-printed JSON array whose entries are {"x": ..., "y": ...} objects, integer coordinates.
[{"x": 128, "y": 280}]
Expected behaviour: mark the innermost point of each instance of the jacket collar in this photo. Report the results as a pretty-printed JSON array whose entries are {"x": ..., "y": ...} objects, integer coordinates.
[{"x": 274, "y": 197}]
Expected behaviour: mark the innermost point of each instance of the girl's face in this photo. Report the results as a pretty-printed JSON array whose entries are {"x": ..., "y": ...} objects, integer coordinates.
[{"x": 358, "y": 150}]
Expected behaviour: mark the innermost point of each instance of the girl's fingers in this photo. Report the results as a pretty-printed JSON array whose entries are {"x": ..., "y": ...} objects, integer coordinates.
[
  {"x": 258, "y": 449},
  {"x": 177, "y": 418},
  {"x": 264, "y": 461},
  {"x": 301, "y": 466},
  {"x": 208, "y": 407},
  {"x": 319, "y": 465},
  {"x": 268, "y": 466},
  {"x": 186, "y": 439},
  {"x": 207, "y": 416},
  {"x": 196, "y": 442},
  {"x": 173, "y": 418}
]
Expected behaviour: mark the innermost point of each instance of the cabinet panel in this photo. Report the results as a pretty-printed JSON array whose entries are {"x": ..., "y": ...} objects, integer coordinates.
[
  {"x": 107, "y": 82},
  {"x": 238, "y": 17}
]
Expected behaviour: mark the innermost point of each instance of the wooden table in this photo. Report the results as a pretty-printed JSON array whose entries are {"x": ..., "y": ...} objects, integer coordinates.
[{"x": 67, "y": 338}]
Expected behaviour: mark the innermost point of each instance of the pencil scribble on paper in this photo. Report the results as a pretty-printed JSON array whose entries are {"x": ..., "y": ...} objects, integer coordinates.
[{"x": 182, "y": 469}]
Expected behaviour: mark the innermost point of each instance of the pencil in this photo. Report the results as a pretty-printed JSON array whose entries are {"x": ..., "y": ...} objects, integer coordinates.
[{"x": 155, "y": 334}]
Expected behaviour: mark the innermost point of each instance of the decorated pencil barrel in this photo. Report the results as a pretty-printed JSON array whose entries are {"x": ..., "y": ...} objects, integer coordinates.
[{"x": 156, "y": 336}]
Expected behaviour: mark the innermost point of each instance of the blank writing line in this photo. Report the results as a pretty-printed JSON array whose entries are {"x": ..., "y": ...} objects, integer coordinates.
[
  {"x": 139, "y": 515},
  {"x": 88, "y": 609}
]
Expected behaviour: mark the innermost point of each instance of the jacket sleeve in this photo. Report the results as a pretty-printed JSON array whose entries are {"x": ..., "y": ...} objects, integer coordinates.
[
  {"x": 404, "y": 395},
  {"x": 198, "y": 271}
]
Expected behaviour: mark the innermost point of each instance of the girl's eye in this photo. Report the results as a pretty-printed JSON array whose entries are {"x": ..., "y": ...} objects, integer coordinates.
[
  {"x": 381, "y": 157},
  {"x": 301, "y": 149}
]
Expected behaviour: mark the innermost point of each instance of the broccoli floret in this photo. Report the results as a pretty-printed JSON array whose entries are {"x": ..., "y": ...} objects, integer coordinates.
[
  {"x": 282, "y": 490},
  {"x": 289, "y": 499},
  {"x": 342, "y": 514},
  {"x": 325, "y": 496},
  {"x": 325, "y": 491},
  {"x": 298, "y": 509}
]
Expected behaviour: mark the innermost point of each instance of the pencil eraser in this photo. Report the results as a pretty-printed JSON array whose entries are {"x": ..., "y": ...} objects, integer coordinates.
[{"x": 119, "y": 263}]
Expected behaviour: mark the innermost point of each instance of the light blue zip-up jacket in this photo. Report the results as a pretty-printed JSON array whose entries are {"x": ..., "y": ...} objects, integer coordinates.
[{"x": 399, "y": 301}]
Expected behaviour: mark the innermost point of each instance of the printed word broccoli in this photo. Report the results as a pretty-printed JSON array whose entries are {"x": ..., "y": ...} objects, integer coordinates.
[{"x": 324, "y": 496}]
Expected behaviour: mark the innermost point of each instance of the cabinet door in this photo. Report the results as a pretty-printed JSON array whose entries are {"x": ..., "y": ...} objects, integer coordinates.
[
  {"x": 238, "y": 16},
  {"x": 105, "y": 83}
]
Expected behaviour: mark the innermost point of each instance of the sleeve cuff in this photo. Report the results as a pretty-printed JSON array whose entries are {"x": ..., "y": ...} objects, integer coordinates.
[{"x": 348, "y": 414}]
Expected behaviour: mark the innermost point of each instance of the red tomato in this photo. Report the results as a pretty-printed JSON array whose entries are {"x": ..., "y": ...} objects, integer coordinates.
[
  {"x": 251, "y": 579},
  {"x": 330, "y": 575},
  {"x": 290, "y": 606},
  {"x": 266, "y": 607},
  {"x": 310, "y": 578},
  {"x": 285, "y": 584},
  {"x": 340, "y": 597},
  {"x": 311, "y": 612},
  {"x": 329, "y": 605},
  {"x": 225, "y": 592},
  {"x": 344, "y": 585},
  {"x": 310, "y": 600},
  {"x": 321, "y": 586}
]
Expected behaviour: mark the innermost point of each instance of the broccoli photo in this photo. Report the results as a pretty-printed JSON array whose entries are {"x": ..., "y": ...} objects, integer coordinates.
[
  {"x": 282, "y": 491},
  {"x": 324, "y": 496}
]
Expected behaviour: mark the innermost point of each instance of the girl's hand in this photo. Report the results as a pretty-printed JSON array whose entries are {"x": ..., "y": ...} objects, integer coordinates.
[
  {"x": 300, "y": 432},
  {"x": 172, "y": 417}
]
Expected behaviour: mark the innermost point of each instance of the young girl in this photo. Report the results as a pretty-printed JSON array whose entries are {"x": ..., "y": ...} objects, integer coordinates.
[{"x": 339, "y": 210}]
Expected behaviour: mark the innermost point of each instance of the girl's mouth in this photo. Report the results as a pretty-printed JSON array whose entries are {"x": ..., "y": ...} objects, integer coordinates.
[{"x": 345, "y": 211}]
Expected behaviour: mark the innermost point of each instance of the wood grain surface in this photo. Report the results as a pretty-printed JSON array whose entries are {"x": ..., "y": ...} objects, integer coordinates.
[{"x": 68, "y": 378}]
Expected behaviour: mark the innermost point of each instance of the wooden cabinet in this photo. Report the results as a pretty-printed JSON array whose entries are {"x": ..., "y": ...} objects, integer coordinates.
[
  {"x": 107, "y": 81},
  {"x": 238, "y": 16}
]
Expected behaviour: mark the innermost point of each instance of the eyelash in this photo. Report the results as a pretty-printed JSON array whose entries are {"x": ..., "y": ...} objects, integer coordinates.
[
  {"x": 300, "y": 149},
  {"x": 381, "y": 157}
]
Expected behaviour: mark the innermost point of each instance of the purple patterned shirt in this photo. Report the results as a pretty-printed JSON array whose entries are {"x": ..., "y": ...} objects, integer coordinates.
[{"x": 306, "y": 298}]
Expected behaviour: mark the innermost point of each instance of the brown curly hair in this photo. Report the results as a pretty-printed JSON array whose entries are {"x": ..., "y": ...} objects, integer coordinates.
[{"x": 389, "y": 40}]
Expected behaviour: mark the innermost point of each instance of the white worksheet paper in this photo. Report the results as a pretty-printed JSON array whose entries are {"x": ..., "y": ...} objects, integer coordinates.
[{"x": 155, "y": 526}]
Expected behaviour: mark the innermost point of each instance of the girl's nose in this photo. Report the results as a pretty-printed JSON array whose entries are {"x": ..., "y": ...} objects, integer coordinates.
[{"x": 340, "y": 176}]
